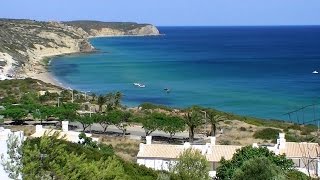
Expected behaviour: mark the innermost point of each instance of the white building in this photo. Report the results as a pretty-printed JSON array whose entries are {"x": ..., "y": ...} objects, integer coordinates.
[
  {"x": 160, "y": 156},
  {"x": 71, "y": 136},
  {"x": 4, "y": 135},
  {"x": 306, "y": 156}
]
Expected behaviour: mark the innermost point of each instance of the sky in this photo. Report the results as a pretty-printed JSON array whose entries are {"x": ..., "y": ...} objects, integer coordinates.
[{"x": 169, "y": 12}]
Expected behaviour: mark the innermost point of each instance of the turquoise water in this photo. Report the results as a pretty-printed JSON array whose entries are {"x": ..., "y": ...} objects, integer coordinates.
[{"x": 257, "y": 71}]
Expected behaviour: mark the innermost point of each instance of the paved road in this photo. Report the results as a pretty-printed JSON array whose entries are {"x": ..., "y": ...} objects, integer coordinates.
[{"x": 133, "y": 130}]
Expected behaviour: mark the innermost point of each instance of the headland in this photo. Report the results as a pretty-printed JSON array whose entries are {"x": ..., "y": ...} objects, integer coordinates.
[{"x": 26, "y": 45}]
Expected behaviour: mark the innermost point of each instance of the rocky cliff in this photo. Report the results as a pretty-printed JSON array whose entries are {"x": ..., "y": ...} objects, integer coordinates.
[
  {"x": 24, "y": 43},
  {"x": 98, "y": 28}
]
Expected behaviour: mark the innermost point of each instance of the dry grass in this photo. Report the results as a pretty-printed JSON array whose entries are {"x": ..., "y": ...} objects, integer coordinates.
[
  {"x": 123, "y": 146},
  {"x": 27, "y": 130},
  {"x": 238, "y": 133}
]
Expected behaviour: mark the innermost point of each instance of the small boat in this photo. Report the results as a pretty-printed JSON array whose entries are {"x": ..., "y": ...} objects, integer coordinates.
[
  {"x": 315, "y": 72},
  {"x": 167, "y": 90},
  {"x": 139, "y": 85}
]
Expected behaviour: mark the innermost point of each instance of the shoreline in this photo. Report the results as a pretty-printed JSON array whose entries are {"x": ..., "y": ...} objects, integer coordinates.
[
  {"x": 108, "y": 36},
  {"x": 40, "y": 71}
]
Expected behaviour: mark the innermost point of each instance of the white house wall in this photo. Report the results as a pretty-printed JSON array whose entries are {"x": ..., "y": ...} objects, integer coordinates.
[{"x": 157, "y": 164}]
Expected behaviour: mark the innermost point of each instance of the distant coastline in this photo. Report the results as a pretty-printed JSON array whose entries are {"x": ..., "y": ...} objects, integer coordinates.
[{"x": 25, "y": 57}]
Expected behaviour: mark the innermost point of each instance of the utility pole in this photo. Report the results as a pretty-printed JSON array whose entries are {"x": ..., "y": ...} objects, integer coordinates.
[
  {"x": 72, "y": 95},
  {"x": 59, "y": 101},
  {"x": 205, "y": 118}
]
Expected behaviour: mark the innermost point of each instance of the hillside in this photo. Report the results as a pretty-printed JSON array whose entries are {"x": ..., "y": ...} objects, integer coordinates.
[
  {"x": 24, "y": 43},
  {"x": 98, "y": 28}
]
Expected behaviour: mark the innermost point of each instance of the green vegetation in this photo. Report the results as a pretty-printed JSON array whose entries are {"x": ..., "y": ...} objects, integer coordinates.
[
  {"x": 88, "y": 25},
  {"x": 193, "y": 119},
  {"x": 258, "y": 168},
  {"x": 242, "y": 165},
  {"x": 22, "y": 101},
  {"x": 18, "y": 35},
  {"x": 170, "y": 124},
  {"x": 296, "y": 175},
  {"x": 150, "y": 106},
  {"x": 267, "y": 134},
  {"x": 51, "y": 158},
  {"x": 214, "y": 118},
  {"x": 191, "y": 165}
]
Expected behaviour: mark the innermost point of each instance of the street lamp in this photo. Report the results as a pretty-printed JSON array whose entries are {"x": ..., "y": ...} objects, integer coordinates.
[
  {"x": 85, "y": 94},
  {"x": 59, "y": 101},
  {"x": 205, "y": 117}
]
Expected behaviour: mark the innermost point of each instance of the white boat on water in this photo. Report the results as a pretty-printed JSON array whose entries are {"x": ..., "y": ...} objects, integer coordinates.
[
  {"x": 315, "y": 72},
  {"x": 139, "y": 85}
]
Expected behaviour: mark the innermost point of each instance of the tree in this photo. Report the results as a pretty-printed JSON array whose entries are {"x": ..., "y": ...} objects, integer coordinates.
[
  {"x": 296, "y": 175},
  {"x": 117, "y": 99},
  {"x": 87, "y": 141},
  {"x": 101, "y": 101},
  {"x": 227, "y": 168},
  {"x": 44, "y": 160},
  {"x": 191, "y": 165},
  {"x": 214, "y": 119},
  {"x": 15, "y": 113},
  {"x": 151, "y": 122},
  {"x": 110, "y": 101},
  {"x": 13, "y": 164},
  {"x": 86, "y": 121},
  {"x": 193, "y": 119},
  {"x": 66, "y": 95},
  {"x": 120, "y": 119},
  {"x": 103, "y": 120},
  {"x": 94, "y": 96},
  {"x": 172, "y": 125},
  {"x": 258, "y": 168}
]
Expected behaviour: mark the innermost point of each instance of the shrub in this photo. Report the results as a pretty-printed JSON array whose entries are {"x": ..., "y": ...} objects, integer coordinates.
[
  {"x": 296, "y": 175},
  {"x": 242, "y": 129},
  {"x": 267, "y": 134},
  {"x": 225, "y": 142}
]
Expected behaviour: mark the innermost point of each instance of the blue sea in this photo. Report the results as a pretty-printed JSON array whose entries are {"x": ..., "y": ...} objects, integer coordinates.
[{"x": 263, "y": 72}]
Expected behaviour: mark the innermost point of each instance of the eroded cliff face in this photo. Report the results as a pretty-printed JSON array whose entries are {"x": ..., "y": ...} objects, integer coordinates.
[
  {"x": 105, "y": 32},
  {"x": 25, "y": 43},
  {"x": 28, "y": 42},
  {"x": 98, "y": 28},
  {"x": 145, "y": 30},
  {"x": 148, "y": 30}
]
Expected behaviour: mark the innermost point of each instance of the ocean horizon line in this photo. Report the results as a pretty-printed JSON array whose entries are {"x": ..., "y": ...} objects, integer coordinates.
[{"x": 197, "y": 26}]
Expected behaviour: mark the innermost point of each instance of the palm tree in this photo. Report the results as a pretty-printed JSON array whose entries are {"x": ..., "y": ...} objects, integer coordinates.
[
  {"x": 110, "y": 101},
  {"x": 193, "y": 119},
  {"x": 93, "y": 97},
  {"x": 117, "y": 99},
  {"x": 101, "y": 101},
  {"x": 214, "y": 119}
]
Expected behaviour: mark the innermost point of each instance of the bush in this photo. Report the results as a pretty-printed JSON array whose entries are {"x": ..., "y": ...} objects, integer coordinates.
[
  {"x": 267, "y": 134},
  {"x": 242, "y": 129},
  {"x": 227, "y": 168},
  {"x": 96, "y": 155},
  {"x": 296, "y": 175},
  {"x": 146, "y": 106}
]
